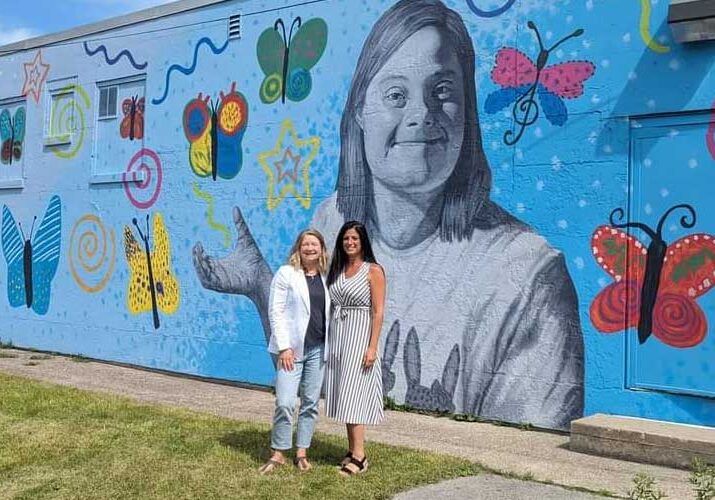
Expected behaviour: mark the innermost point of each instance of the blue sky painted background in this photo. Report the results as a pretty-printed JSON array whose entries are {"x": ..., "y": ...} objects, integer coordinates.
[{"x": 41, "y": 17}]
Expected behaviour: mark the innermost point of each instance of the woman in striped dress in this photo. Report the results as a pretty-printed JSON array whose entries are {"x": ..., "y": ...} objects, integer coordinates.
[{"x": 353, "y": 382}]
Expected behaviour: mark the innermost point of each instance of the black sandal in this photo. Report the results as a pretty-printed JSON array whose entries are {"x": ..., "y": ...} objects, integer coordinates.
[
  {"x": 346, "y": 459},
  {"x": 360, "y": 464}
]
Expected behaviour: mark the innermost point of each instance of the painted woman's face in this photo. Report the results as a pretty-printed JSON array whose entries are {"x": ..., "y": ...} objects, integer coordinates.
[{"x": 413, "y": 115}]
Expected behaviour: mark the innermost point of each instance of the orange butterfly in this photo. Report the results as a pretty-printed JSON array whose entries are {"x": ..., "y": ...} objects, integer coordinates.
[{"x": 132, "y": 125}]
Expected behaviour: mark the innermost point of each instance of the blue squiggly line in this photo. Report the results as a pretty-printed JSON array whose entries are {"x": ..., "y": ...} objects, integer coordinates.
[
  {"x": 490, "y": 13},
  {"x": 190, "y": 69},
  {"x": 113, "y": 61}
]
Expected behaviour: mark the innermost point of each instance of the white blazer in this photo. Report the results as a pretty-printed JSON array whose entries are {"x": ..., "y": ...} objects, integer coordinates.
[{"x": 289, "y": 310}]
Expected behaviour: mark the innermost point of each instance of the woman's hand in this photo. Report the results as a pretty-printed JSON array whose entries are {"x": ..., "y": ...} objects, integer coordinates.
[
  {"x": 286, "y": 360},
  {"x": 369, "y": 358}
]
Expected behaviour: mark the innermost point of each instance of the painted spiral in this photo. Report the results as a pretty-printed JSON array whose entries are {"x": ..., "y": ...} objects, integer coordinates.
[
  {"x": 68, "y": 118},
  {"x": 616, "y": 306},
  {"x": 678, "y": 321},
  {"x": 299, "y": 84},
  {"x": 143, "y": 190},
  {"x": 271, "y": 88},
  {"x": 92, "y": 253}
]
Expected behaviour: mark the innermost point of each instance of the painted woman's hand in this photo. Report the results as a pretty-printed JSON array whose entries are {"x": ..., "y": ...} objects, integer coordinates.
[
  {"x": 286, "y": 360},
  {"x": 243, "y": 272}
]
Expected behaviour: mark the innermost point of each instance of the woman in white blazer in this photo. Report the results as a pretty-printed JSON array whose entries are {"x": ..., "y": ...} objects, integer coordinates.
[{"x": 299, "y": 311}]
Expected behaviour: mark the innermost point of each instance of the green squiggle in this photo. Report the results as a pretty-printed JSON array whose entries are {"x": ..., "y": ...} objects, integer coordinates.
[{"x": 203, "y": 195}]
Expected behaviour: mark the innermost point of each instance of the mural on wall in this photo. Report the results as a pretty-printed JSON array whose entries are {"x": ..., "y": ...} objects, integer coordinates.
[
  {"x": 522, "y": 80},
  {"x": 152, "y": 283},
  {"x": 215, "y": 134},
  {"x": 497, "y": 11},
  {"x": 91, "y": 253},
  {"x": 35, "y": 76},
  {"x": 188, "y": 70},
  {"x": 32, "y": 261},
  {"x": 287, "y": 166},
  {"x": 114, "y": 60},
  {"x": 12, "y": 133},
  {"x": 644, "y": 28},
  {"x": 710, "y": 134},
  {"x": 211, "y": 221},
  {"x": 132, "y": 125},
  {"x": 423, "y": 158},
  {"x": 68, "y": 119},
  {"x": 656, "y": 285},
  {"x": 142, "y": 178},
  {"x": 286, "y": 60}
]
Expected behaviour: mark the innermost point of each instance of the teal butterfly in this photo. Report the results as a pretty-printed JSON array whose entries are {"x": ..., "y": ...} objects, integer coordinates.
[
  {"x": 12, "y": 132},
  {"x": 287, "y": 60},
  {"x": 32, "y": 262}
]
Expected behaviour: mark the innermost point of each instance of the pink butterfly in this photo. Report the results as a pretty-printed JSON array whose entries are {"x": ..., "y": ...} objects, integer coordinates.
[{"x": 521, "y": 80}]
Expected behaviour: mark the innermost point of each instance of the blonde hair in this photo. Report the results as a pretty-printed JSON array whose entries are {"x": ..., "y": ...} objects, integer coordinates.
[{"x": 295, "y": 260}]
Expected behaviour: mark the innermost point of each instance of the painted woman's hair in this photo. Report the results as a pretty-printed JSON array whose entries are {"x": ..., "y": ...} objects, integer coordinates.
[{"x": 468, "y": 187}]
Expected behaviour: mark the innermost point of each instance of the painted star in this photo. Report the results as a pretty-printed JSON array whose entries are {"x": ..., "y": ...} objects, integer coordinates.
[
  {"x": 35, "y": 75},
  {"x": 292, "y": 171},
  {"x": 289, "y": 172}
]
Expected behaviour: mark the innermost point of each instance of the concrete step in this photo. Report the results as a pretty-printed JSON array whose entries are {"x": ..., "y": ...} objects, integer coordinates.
[{"x": 641, "y": 440}]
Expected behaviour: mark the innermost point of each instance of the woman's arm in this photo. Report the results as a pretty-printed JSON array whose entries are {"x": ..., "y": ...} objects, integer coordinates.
[{"x": 376, "y": 279}]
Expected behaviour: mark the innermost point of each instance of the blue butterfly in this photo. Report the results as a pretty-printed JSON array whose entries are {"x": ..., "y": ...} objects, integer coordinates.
[{"x": 32, "y": 265}]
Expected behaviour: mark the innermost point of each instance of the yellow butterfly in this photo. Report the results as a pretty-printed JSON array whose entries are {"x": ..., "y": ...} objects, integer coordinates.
[{"x": 152, "y": 284}]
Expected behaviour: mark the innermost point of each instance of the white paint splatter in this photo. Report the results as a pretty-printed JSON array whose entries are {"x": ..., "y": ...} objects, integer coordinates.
[
  {"x": 563, "y": 224},
  {"x": 692, "y": 163},
  {"x": 520, "y": 208},
  {"x": 648, "y": 209},
  {"x": 627, "y": 38},
  {"x": 539, "y": 185},
  {"x": 664, "y": 193},
  {"x": 647, "y": 163},
  {"x": 579, "y": 263},
  {"x": 582, "y": 203}
]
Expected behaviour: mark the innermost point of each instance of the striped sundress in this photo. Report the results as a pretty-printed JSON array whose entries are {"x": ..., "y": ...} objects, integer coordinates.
[{"x": 353, "y": 395}]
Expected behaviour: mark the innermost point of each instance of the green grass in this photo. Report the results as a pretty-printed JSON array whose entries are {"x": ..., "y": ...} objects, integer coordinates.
[
  {"x": 65, "y": 443},
  {"x": 40, "y": 357},
  {"x": 7, "y": 355}
]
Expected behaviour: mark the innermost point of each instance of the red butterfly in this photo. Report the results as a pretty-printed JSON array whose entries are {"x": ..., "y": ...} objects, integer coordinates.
[
  {"x": 132, "y": 125},
  {"x": 656, "y": 287}
]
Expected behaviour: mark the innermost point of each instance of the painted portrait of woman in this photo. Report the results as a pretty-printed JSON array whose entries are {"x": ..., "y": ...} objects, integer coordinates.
[{"x": 481, "y": 314}]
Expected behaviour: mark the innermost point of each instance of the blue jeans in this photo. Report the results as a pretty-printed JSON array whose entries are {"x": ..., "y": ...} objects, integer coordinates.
[{"x": 307, "y": 375}]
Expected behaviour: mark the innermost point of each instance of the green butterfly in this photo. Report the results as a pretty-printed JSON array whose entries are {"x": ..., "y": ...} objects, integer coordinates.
[{"x": 286, "y": 61}]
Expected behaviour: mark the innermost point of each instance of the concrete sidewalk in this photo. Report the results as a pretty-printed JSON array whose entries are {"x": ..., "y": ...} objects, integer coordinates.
[{"x": 542, "y": 456}]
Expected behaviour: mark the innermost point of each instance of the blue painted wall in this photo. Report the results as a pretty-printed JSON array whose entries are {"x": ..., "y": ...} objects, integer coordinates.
[{"x": 636, "y": 137}]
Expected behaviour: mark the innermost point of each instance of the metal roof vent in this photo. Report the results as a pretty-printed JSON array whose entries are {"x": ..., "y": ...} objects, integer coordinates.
[
  {"x": 692, "y": 20},
  {"x": 234, "y": 27}
]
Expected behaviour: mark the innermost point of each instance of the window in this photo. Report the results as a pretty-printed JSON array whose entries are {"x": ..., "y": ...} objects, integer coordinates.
[
  {"x": 119, "y": 132},
  {"x": 107, "y": 102},
  {"x": 13, "y": 135},
  {"x": 61, "y": 118}
]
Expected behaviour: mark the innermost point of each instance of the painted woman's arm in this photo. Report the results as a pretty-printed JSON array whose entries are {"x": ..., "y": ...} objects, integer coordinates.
[
  {"x": 244, "y": 271},
  {"x": 538, "y": 362}
]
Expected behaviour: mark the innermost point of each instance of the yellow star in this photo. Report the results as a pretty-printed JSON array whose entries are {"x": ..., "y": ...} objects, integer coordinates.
[{"x": 275, "y": 169}]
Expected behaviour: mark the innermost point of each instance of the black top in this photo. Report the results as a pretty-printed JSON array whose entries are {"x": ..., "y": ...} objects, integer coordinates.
[{"x": 315, "y": 334}]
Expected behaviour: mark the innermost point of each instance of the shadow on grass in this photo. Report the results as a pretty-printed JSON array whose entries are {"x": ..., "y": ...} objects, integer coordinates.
[{"x": 323, "y": 451}]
